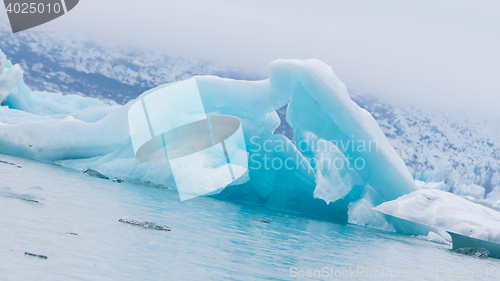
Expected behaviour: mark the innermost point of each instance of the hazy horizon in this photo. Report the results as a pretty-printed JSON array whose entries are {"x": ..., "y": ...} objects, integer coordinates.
[{"x": 442, "y": 53}]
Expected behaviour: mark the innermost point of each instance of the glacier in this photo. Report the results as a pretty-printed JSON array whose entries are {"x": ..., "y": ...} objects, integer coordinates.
[
  {"x": 79, "y": 133},
  {"x": 437, "y": 145}
]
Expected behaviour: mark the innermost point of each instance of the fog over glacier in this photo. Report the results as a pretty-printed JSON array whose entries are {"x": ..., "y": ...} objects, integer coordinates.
[{"x": 433, "y": 53}]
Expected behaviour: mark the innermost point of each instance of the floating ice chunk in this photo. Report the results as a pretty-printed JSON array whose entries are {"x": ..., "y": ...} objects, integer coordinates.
[
  {"x": 35, "y": 255},
  {"x": 139, "y": 182},
  {"x": 94, "y": 173},
  {"x": 144, "y": 224},
  {"x": 475, "y": 252},
  {"x": 446, "y": 212}
]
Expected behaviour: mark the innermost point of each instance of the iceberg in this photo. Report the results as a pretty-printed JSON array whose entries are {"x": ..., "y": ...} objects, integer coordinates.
[
  {"x": 444, "y": 211},
  {"x": 340, "y": 164}
]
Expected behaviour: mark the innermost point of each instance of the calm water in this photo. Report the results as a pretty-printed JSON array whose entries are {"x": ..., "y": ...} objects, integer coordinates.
[{"x": 210, "y": 239}]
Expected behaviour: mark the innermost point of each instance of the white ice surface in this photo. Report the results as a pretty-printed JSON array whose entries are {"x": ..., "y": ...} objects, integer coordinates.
[{"x": 446, "y": 212}]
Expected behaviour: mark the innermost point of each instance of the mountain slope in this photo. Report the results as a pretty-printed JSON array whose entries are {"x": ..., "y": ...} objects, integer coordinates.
[{"x": 66, "y": 64}]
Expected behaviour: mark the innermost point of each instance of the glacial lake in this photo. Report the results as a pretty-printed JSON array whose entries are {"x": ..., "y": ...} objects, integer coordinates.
[{"x": 70, "y": 222}]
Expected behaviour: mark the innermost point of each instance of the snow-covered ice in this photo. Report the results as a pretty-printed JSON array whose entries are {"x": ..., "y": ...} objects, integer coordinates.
[{"x": 445, "y": 211}]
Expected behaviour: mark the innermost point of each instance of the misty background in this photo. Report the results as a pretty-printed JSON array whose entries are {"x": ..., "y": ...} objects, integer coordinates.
[{"x": 435, "y": 53}]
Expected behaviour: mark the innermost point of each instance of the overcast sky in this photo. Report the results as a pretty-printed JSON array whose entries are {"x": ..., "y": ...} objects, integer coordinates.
[{"x": 446, "y": 52}]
